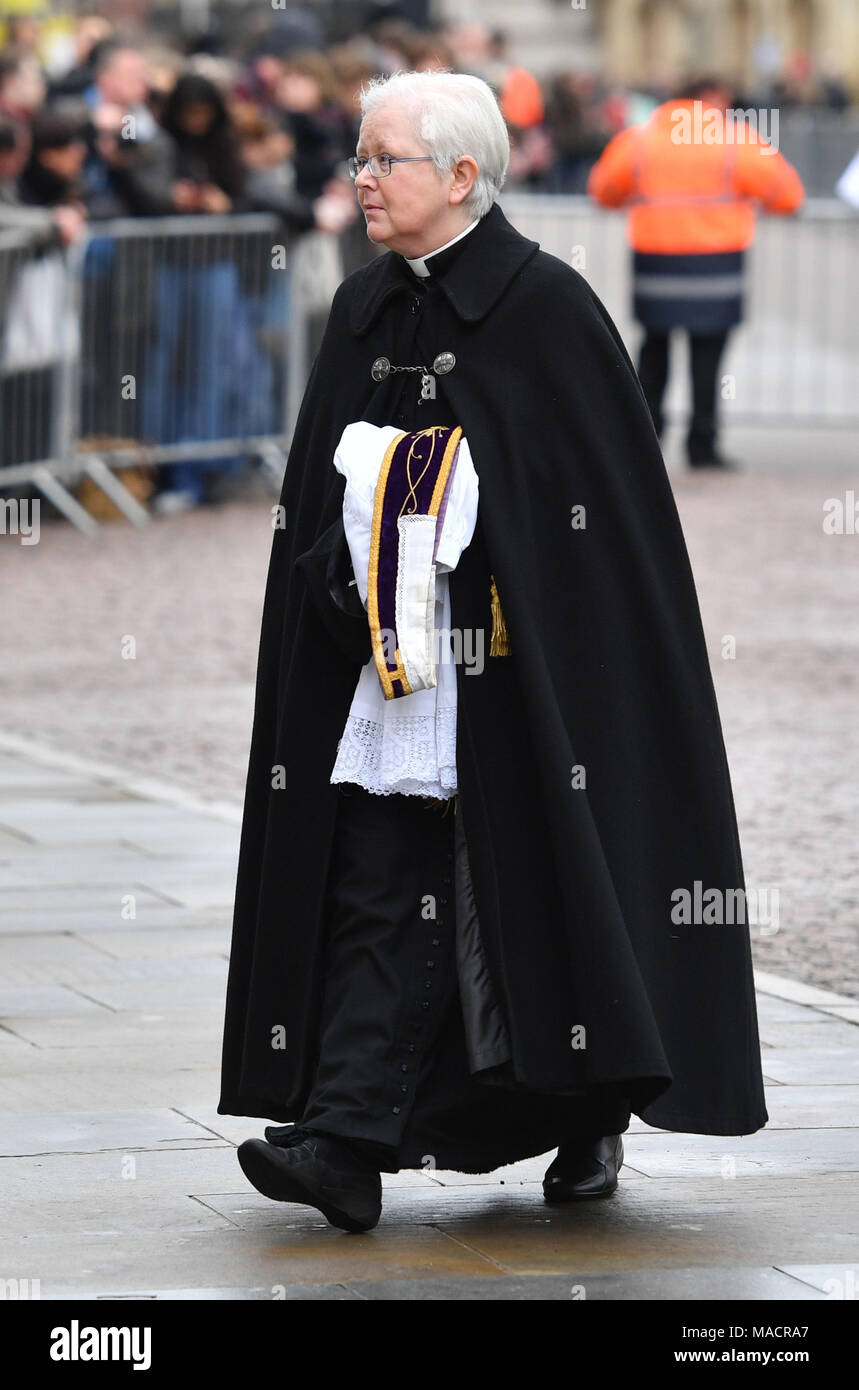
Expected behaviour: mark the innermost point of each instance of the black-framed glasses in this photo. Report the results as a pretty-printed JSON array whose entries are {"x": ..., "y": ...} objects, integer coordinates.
[{"x": 380, "y": 164}]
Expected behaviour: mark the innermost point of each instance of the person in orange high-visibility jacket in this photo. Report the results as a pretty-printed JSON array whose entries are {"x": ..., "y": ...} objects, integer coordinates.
[{"x": 691, "y": 178}]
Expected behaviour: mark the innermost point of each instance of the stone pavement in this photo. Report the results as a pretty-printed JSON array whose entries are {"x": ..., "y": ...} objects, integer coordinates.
[
  {"x": 188, "y": 592},
  {"x": 118, "y": 1177}
]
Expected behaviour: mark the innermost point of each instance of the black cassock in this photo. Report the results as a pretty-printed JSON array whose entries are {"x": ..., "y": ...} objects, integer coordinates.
[
  {"x": 407, "y": 1005},
  {"x": 556, "y": 988}
]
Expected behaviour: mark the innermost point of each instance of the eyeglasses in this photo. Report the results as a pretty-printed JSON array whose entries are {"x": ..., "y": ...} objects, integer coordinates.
[{"x": 380, "y": 164}]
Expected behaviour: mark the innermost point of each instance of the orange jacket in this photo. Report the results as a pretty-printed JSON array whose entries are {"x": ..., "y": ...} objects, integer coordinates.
[
  {"x": 521, "y": 99},
  {"x": 689, "y": 196}
]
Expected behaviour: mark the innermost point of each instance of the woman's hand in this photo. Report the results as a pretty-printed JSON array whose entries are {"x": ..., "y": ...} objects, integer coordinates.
[
  {"x": 185, "y": 195},
  {"x": 214, "y": 199}
]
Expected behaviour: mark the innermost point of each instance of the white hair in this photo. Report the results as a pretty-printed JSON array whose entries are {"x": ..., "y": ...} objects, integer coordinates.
[{"x": 453, "y": 114}]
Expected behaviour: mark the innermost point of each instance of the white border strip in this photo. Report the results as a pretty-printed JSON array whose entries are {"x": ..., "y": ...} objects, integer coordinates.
[{"x": 147, "y": 788}]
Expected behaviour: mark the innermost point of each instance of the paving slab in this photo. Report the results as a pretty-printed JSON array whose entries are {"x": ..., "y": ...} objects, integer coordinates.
[
  {"x": 827, "y": 1031},
  {"x": 677, "y": 1285},
  {"x": 12, "y": 1046},
  {"x": 192, "y": 1167},
  {"x": 776, "y": 1151},
  {"x": 681, "y": 1285},
  {"x": 771, "y": 1009},
  {"x": 73, "y": 962},
  {"x": 208, "y": 891},
  {"x": 188, "y": 934},
  {"x": 848, "y": 1011},
  {"x": 114, "y": 1210},
  {"x": 426, "y": 1234},
  {"x": 812, "y": 1107},
  {"x": 61, "y": 901},
  {"x": 813, "y": 1066},
  {"x": 798, "y": 991},
  {"x": 49, "y": 958},
  {"x": 157, "y": 1055},
  {"x": 23, "y": 1000},
  {"x": 150, "y": 912},
  {"x": 67, "y": 868},
  {"x": 121, "y": 1179},
  {"x": 107, "y": 1029},
  {"x": 18, "y": 777},
  {"x": 189, "y": 835},
  {"x": 838, "y": 1281},
  {"x": 301, "y": 1293},
  {"x": 205, "y": 987},
  {"x": 76, "y": 1133},
  {"x": 709, "y": 1223},
  {"x": 311, "y": 1254},
  {"x": 142, "y": 1083}
]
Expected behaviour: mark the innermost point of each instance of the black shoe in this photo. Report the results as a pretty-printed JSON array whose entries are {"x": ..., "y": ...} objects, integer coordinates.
[
  {"x": 315, "y": 1171},
  {"x": 584, "y": 1168},
  {"x": 366, "y": 1153},
  {"x": 282, "y": 1136}
]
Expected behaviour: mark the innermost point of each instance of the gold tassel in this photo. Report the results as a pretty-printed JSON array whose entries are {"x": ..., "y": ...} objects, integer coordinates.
[{"x": 499, "y": 644}]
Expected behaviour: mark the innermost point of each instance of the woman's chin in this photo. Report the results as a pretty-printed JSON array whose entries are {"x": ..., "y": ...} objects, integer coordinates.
[{"x": 378, "y": 226}]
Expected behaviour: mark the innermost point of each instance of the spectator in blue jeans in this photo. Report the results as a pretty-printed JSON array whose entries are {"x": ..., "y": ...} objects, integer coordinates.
[{"x": 204, "y": 354}]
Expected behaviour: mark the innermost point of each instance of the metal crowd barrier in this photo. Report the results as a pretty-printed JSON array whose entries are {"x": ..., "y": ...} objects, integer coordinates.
[
  {"x": 794, "y": 358},
  {"x": 171, "y": 340},
  {"x": 36, "y": 346},
  {"x": 819, "y": 144},
  {"x": 157, "y": 341}
]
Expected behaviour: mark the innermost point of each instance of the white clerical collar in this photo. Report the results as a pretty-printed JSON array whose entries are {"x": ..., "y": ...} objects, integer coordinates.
[{"x": 419, "y": 263}]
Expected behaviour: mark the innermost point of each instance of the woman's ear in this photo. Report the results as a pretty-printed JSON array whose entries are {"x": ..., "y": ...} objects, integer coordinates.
[{"x": 464, "y": 173}]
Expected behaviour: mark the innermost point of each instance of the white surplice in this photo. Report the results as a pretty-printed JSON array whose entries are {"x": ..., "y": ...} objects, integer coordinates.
[{"x": 408, "y": 744}]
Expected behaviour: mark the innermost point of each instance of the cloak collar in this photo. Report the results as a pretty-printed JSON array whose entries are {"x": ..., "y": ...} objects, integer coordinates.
[{"x": 490, "y": 257}]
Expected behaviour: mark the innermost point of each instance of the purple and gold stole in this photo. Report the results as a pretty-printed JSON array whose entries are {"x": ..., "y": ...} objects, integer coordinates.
[{"x": 414, "y": 481}]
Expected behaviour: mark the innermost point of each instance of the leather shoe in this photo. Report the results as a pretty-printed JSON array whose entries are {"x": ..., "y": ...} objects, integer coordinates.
[
  {"x": 364, "y": 1152},
  {"x": 285, "y": 1135},
  {"x": 584, "y": 1168},
  {"x": 316, "y": 1171}
]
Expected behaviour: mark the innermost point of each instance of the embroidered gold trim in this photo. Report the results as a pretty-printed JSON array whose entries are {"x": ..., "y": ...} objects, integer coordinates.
[
  {"x": 444, "y": 470},
  {"x": 387, "y": 677},
  {"x": 411, "y": 495}
]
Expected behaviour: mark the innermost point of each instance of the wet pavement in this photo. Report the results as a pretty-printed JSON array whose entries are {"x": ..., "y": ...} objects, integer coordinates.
[
  {"x": 119, "y": 1177},
  {"x": 121, "y": 774}
]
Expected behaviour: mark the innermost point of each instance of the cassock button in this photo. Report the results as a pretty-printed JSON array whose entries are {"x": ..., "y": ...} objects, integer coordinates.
[
  {"x": 403, "y": 1066},
  {"x": 444, "y": 363},
  {"x": 395, "y": 1109},
  {"x": 427, "y": 984},
  {"x": 436, "y": 941},
  {"x": 425, "y": 1004},
  {"x": 404, "y": 1089},
  {"x": 430, "y": 965},
  {"x": 411, "y": 1047}
]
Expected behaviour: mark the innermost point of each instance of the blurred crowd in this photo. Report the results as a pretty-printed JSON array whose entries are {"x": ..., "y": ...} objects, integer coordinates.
[
  {"x": 124, "y": 124},
  {"x": 137, "y": 126}
]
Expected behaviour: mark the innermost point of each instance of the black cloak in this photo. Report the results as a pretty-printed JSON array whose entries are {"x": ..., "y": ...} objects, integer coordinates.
[{"x": 591, "y": 766}]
